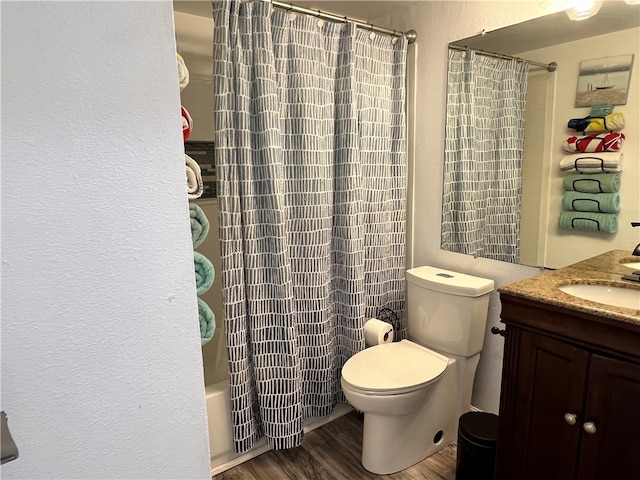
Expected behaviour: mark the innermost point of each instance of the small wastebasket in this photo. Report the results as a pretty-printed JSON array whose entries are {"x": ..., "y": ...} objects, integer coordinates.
[{"x": 477, "y": 432}]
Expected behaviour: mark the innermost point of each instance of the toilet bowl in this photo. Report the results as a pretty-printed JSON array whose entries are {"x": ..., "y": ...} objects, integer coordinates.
[
  {"x": 413, "y": 391},
  {"x": 397, "y": 432}
]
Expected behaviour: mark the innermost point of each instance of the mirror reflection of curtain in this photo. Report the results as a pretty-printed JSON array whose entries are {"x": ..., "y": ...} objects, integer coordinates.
[
  {"x": 310, "y": 155},
  {"x": 483, "y": 155}
]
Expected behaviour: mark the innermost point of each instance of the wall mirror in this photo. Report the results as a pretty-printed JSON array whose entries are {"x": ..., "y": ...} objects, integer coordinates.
[{"x": 550, "y": 103}]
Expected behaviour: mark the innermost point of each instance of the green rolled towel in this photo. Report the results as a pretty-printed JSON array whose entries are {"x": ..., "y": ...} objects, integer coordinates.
[
  {"x": 207, "y": 321},
  {"x": 199, "y": 224},
  {"x": 592, "y": 183},
  {"x": 589, "y": 222},
  {"x": 591, "y": 202},
  {"x": 205, "y": 273}
]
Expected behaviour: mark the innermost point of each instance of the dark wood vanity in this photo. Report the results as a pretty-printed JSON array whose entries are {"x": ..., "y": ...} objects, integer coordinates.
[{"x": 570, "y": 399}]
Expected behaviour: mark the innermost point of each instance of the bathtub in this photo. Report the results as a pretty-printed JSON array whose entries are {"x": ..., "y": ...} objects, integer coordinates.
[{"x": 221, "y": 433}]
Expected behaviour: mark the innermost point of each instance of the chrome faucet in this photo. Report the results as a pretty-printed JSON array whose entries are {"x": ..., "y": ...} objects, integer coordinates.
[{"x": 636, "y": 251}]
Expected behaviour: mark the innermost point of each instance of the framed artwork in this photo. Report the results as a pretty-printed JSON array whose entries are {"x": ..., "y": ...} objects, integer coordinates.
[
  {"x": 604, "y": 80},
  {"x": 202, "y": 152}
]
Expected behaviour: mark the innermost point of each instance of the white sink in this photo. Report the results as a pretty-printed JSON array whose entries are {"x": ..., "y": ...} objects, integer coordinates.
[
  {"x": 606, "y": 294},
  {"x": 634, "y": 265}
]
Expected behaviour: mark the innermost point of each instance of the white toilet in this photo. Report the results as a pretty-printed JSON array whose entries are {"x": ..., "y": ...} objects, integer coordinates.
[{"x": 412, "y": 392}]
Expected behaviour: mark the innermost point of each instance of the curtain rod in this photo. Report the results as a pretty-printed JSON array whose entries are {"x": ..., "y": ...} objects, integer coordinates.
[
  {"x": 550, "y": 67},
  {"x": 411, "y": 35}
]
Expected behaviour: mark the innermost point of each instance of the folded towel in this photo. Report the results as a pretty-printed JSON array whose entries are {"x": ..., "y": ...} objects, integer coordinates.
[
  {"x": 187, "y": 124},
  {"x": 195, "y": 187},
  {"x": 592, "y": 183},
  {"x": 591, "y": 202},
  {"x": 183, "y": 72},
  {"x": 600, "y": 109},
  {"x": 610, "y": 142},
  {"x": 207, "y": 321},
  {"x": 587, "y": 221},
  {"x": 613, "y": 121},
  {"x": 205, "y": 273},
  {"x": 199, "y": 224},
  {"x": 592, "y": 162}
]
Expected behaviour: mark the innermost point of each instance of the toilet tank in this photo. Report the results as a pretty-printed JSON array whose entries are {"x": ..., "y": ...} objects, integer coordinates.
[{"x": 447, "y": 311}]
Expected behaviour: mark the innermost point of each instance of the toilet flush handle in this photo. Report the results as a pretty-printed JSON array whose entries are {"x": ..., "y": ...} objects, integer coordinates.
[{"x": 498, "y": 331}]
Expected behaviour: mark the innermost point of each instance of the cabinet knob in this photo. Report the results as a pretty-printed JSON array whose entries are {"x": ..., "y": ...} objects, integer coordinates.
[
  {"x": 570, "y": 418},
  {"x": 589, "y": 427}
]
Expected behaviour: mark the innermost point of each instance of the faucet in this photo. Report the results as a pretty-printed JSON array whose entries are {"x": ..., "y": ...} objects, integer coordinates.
[{"x": 636, "y": 251}]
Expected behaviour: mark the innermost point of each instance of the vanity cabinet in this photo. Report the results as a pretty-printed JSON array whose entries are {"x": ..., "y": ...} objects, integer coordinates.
[{"x": 570, "y": 399}]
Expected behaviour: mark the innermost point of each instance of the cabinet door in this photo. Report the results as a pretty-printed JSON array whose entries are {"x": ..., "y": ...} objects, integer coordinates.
[
  {"x": 548, "y": 382},
  {"x": 613, "y": 407}
]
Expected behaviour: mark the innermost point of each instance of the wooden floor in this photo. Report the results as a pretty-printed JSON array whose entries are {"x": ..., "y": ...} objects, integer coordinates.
[{"x": 333, "y": 452}]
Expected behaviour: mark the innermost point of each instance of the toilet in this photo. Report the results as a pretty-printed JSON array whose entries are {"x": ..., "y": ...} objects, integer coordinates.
[{"x": 412, "y": 392}]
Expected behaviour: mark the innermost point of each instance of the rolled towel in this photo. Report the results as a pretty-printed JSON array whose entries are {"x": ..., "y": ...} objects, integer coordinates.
[
  {"x": 195, "y": 187},
  {"x": 594, "y": 183},
  {"x": 592, "y": 162},
  {"x": 207, "y": 321},
  {"x": 608, "y": 123},
  {"x": 183, "y": 72},
  {"x": 187, "y": 124},
  {"x": 199, "y": 224},
  {"x": 591, "y": 202},
  {"x": 587, "y": 221},
  {"x": 610, "y": 142},
  {"x": 205, "y": 273}
]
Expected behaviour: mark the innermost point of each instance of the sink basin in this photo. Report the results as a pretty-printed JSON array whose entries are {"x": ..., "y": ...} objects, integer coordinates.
[
  {"x": 631, "y": 262},
  {"x": 634, "y": 265},
  {"x": 606, "y": 294}
]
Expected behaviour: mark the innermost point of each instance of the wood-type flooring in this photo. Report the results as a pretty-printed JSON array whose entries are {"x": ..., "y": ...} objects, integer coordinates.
[{"x": 333, "y": 452}]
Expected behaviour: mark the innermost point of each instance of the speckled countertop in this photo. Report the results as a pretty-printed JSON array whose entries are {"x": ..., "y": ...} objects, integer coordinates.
[{"x": 605, "y": 269}]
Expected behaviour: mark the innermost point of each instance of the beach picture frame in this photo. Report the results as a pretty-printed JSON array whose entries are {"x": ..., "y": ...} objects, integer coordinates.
[{"x": 604, "y": 80}]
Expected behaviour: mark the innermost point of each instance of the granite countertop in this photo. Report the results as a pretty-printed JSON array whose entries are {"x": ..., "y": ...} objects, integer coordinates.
[{"x": 604, "y": 269}]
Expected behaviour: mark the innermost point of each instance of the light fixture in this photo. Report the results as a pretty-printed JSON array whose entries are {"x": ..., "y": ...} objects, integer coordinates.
[
  {"x": 583, "y": 9},
  {"x": 633, "y": 2}
]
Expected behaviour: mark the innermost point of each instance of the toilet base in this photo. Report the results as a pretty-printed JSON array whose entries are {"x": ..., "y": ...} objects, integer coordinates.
[{"x": 393, "y": 443}]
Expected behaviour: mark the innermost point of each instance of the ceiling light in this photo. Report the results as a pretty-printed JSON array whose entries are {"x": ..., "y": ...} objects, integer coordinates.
[
  {"x": 632, "y": 2},
  {"x": 583, "y": 9}
]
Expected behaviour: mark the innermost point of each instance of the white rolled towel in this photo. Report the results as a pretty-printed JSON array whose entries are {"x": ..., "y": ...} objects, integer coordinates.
[
  {"x": 592, "y": 162},
  {"x": 195, "y": 187},
  {"x": 183, "y": 72}
]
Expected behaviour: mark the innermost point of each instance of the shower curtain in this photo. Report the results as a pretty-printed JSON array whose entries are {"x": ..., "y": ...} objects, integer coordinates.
[
  {"x": 310, "y": 157},
  {"x": 483, "y": 155}
]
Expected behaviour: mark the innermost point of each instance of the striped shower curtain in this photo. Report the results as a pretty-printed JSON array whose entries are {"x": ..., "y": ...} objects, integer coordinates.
[
  {"x": 310, "y": 156},
  {"x": 483, "y": 156}
]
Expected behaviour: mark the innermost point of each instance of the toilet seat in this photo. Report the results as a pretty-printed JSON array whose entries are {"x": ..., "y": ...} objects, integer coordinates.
[{"x": 393, "y": 368}]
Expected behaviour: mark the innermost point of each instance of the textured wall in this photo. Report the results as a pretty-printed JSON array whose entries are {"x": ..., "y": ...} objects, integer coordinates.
[{"x": 101, "y": 361}]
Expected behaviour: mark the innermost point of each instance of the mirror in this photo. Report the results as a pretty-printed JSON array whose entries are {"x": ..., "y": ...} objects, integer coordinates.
[{"x": 550, "y": 104}]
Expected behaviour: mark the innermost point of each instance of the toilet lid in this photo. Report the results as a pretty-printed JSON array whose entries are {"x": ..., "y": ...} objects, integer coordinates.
[{"x": 393, "y": 366}]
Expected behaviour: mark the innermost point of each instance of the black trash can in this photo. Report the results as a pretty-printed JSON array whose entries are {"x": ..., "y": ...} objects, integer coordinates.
[{"x": 477, "y": 432}]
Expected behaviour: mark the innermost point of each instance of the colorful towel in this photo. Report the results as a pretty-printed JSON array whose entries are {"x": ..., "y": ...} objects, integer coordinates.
[
  {"x": 592, "y": 162},
  {"x": 587, "y": 221},
  {"x": 207, "y": 322},
  {"x": 195, "y": 186},
  {"x": 187, "y": 124},
  {"x": 609, "y": 123},
  {"x": 183, "y": 72},
  {"x": 199, "y": 224},
  {"x": 609, "y": 142},
  {"x": 592, "y": 183},
  {"x": 205, "y": 273},
  {"x": 591, "y": 202}
]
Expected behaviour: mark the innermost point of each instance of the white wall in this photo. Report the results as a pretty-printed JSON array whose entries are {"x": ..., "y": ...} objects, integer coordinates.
[
  {"x": 561, "y": 244},
  {"x": 101, "y": 360},
  {"x": 437, "y": 24}
]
